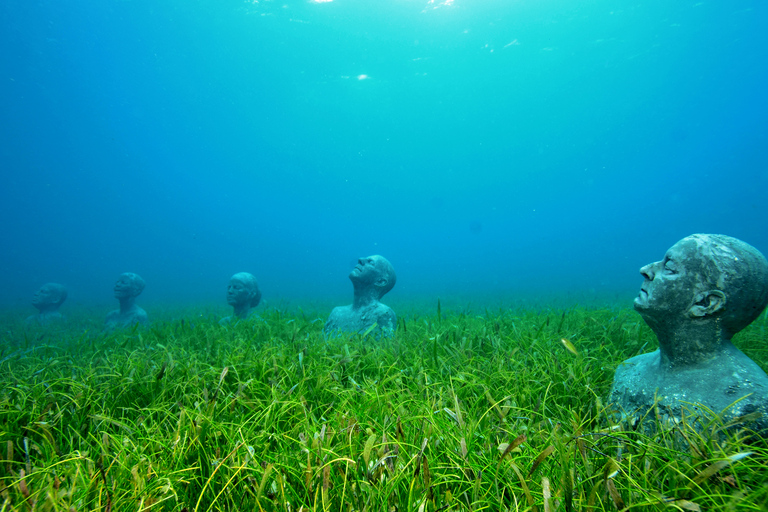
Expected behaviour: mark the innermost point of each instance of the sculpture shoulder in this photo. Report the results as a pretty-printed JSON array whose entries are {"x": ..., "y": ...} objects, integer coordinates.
[
  {"x": 340, "y": 311},
  {"x": 386, "y": 317},
  {"x": 45, "y": 319},
  {"x": 347, "y": 319},
  {"x": 117, "y": 319},
  {"x": 338, "y": 315},
  {"x": 141, "y": 315},
  {"x": 642, "y": 364}
]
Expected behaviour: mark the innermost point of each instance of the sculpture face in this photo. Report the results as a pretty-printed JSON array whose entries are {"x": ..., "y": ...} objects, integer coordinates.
[
  {"x": 366, "y": 271},
  {"x": 49, "y": 294},
  {"x": 705, "y": 277},
  {"x": 128, "y": 285},
  {"x": 670, "y": 284},
  {"x": 237, "y": 292}
]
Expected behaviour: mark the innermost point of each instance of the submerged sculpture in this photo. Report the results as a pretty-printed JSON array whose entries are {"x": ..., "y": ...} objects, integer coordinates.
[
  {"x": 372, "y": 278},
  {"x": 243, "y": 295},
  {"x": 47, "y": 300},
  {"x": 127, "y": 288},
  {"x": 706, "y": 289}
]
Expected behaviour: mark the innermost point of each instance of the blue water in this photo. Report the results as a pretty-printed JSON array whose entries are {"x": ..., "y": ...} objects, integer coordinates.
[{"x": 486, "y": 148}]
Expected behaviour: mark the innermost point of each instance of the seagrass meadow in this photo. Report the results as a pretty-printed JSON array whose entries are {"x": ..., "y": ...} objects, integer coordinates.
[{"x": 499, "y": 409}]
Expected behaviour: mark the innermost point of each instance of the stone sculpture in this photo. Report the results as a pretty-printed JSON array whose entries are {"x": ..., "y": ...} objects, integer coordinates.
[
  {"x": 48, "y": 299},
  {"x": 243, "y": 295},
  {"x": 371, "y": 279},
  {"x": 705, "y": 290},
  {"x": 127, "y": 288}
]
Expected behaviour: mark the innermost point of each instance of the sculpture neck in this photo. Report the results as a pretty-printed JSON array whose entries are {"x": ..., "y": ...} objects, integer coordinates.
[
  {"x": 365, "y": 296},
  {"x": 127, "y": 304},
  {"x": 691, "y": 344},
  {"x": 47, "y": 309},
  {"x": 241, "y": 310}
]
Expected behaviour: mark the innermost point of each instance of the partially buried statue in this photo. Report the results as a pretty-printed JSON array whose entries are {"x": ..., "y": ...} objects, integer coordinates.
[
  {"x": 372, "y": 278},
  {"x": 706, "y": 289},
  {"x": 48, "y": 299},
  {"x": 127, "y": 288},
  {"x": 243, "y": 295}
]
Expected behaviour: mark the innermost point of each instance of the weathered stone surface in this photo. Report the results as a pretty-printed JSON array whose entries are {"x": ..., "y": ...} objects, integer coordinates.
[
  {"x": 706, "y": 289},
  {"x": 371, "y": 279}
]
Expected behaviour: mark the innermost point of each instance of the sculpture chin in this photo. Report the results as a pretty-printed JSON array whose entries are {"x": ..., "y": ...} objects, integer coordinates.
[{"x": 641, "y": 303}]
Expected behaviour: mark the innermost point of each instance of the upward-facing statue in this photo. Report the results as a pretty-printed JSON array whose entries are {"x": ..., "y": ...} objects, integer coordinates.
[
  {"x": 706, "y": 289},
  {"x": 372, "y": 278},
  {"x": 48, "y": 299},
  {"x": 127, "y": 288},
  {"x": 243, "y": 295}
]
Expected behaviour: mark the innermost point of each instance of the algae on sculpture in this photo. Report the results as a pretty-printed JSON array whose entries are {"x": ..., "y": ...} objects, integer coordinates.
[
  {"x": 127, "y": 288},
  {"x": 371, "y": 278},
  {"x": 705, "y": 290}
]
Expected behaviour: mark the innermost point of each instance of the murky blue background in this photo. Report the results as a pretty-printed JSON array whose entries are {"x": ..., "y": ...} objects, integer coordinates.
[{"x": 488, "y": 149}]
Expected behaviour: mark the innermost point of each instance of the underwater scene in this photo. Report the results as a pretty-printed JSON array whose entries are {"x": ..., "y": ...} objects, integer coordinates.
[{"x": 383, "y": 255}]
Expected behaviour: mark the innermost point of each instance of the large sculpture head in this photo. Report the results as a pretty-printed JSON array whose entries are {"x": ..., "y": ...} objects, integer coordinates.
[
  {"x": 49, "y": 296},
  {"x": 705, "y": 279},
  {"x": 243, "y": 290},
  {"x": 128, "y": 286},
  {"x": 374, "y": 272}
]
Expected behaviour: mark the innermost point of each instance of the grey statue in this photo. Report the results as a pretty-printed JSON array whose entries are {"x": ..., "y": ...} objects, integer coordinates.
[
  {"x": 243, "y": 295},
  {"x": 47, "y": 300},
  {"x": 371, "y": 279},
  {"x": 705, "y": 290},
  {"x": 127, "y": 288}
]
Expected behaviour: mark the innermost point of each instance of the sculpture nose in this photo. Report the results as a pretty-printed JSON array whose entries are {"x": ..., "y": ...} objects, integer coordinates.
[{"x": 647, "y": 272}]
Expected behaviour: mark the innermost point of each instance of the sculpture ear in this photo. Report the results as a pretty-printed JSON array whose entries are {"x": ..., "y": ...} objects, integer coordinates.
[
  {"x": 707, "y": 303},
  {"x": 382, "y": 282}
]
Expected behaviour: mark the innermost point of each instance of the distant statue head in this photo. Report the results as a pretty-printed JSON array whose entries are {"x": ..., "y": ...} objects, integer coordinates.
[
  {"x": 373, "y": 273},
  {"x": 129, "y": 286},
  {"x": 49, "y": 297},
  {"x": 707, "y": 287},
  {"x": 371, "y": 278},
  {"x": 243, "y": 293},
  {"x": 47, "y": 300}
]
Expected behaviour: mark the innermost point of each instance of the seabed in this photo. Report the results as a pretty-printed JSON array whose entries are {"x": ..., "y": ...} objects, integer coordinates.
[{"x": 471, "y": 410}]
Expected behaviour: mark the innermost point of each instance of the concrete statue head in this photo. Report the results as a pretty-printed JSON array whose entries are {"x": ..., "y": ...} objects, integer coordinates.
[
  {"x": 47, "y": 300},
  {"x": 49, "y": 297},
  {"x": 372, "y": 278},
  {"x": 375, "y": 273},
  {"x": 704, "y": 283},
  {"x": 243, "y": 293},
  {"x": 127, "y": 288},
  {"x": 129, "y": 285},
  {"x": 706, "y": 289}
]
